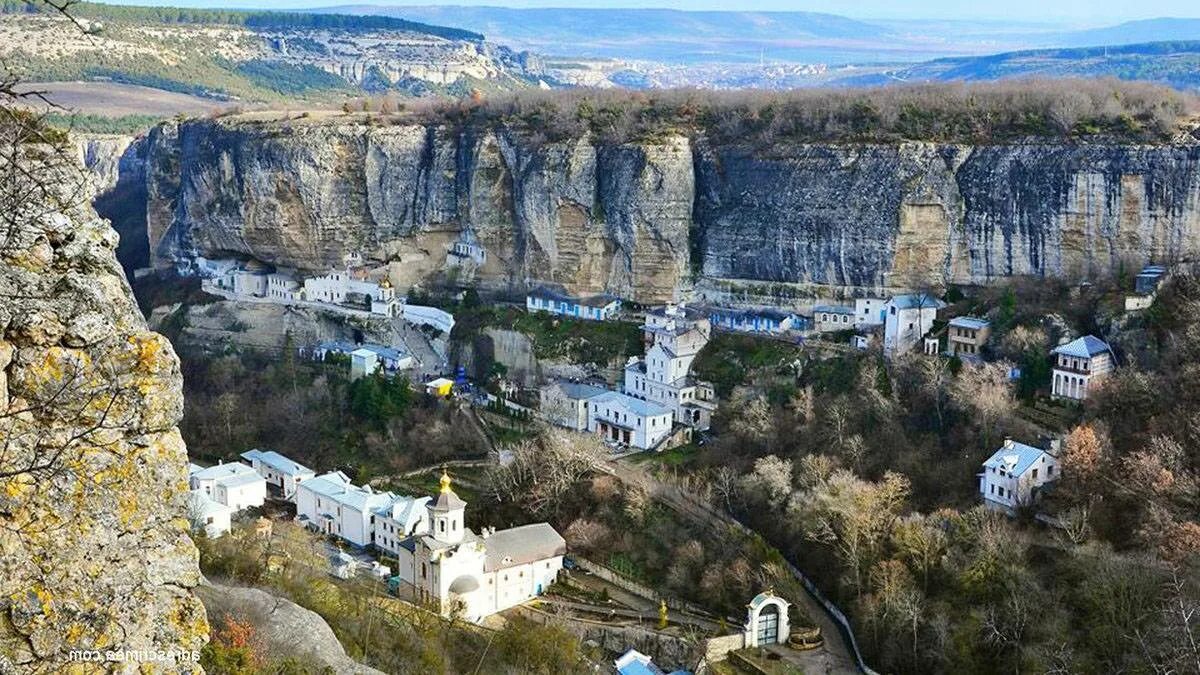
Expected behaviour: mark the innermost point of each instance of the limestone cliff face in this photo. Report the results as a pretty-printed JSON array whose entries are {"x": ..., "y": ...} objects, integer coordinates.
[
  {"x": 888, "y": 215},
  {"x": 593, "y": 218},
  {"x": 94, "y": 546},
  {"x": 650, "y": 220}
]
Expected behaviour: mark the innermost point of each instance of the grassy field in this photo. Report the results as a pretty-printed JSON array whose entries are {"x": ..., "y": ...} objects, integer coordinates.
[{"x": 113, "y": 99}]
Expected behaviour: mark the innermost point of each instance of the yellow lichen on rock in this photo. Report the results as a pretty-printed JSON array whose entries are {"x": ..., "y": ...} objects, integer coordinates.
[{"x": 92, "y": 554}]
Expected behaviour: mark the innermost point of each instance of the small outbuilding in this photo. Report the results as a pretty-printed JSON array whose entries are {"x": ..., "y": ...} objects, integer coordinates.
[{"x": 767, "y": 620}]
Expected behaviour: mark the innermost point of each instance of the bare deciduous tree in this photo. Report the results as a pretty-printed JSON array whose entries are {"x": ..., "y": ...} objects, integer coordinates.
[{"x": 542, "y": 470}]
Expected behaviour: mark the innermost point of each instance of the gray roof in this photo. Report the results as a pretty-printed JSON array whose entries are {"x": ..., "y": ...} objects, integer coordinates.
[
  {"x": 225, "y": 472},
  {"x": 634, "y": 405},
  {"x": 969, "y": 322},
  {"x": 1084, "y": 347},
  {"x": 447, "y": 501},
  {"x": 522, "y": 545},
  {"x": 337, "y": 487},
  {"x": 1015, "y": 458},
  {"x": 833, "y": 309},
  {"x": 560, "y": 294},
  {"x": 277, "y": 461},
  {"x": 916, "y": 301},
  {"x": 579, "y": 390}
]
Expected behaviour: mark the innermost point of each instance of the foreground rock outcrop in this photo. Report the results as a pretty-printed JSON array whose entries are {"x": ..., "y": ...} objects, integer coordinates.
[
  {"x": 95, "y": 560},
  {"x": 286, "y": 629},
  {"x": 655, "y": 219}
]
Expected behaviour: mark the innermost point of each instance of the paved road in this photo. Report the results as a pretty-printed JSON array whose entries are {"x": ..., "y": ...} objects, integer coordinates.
[{"x": 834, "y": 657}]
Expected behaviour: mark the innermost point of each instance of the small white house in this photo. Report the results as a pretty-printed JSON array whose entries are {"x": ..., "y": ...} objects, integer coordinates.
[
  {"x": 869, "y": 311},
  {"x": 566, "y": 403},
  {"x": 632, "y": 421},
  {"x": 1015, "y": 474},
  {"x": 399, "y": 519},
  {"x": 279, "y": 471},
  {"x": 907, "y": 318},
  {"x": 363, "y": 362},
  {"x": 1078, "y": 365},
  {"x": 206, "y": 514},
  {"x": 235, "y": 485}
]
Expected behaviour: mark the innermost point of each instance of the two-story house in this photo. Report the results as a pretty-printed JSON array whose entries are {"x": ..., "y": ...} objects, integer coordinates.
[
  {"x": 907, "y": 318},
  {"x": 1015, "y": 474},
  {"x": 966, "y": 336},
  {"x": 1078, "y": 366},
  {"x": 632, "y": 421}
]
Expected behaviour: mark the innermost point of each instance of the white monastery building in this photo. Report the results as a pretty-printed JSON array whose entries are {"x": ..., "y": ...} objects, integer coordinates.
[
  {"x": 566, "y": 403},
  {"x": 907, "y": 318},
  {"x": 351, "y": 287},
  {"x": 1078, "y": 365},
  {"x": 235, "y": 485},
  {"x": 206, "y": 514},
  {"x": 280, "y": 472},
  {"x": 475, "y": 575},
  {"x": 632, "y": 421},
  {"x": 331, "y": 504},
  {"x": 1014, "y": 475},
  {"x": 675, "y": 335},
  {"x": 554, "y": 300}
]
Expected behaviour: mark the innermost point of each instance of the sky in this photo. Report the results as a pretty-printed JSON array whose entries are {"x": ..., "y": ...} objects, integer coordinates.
[{"x": 1079, "y": 12}]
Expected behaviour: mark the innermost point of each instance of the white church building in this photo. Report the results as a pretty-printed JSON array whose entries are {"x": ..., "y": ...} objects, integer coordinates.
[
  {"x": 475, "y": 575},
  {"x": 675, "y": 334}
]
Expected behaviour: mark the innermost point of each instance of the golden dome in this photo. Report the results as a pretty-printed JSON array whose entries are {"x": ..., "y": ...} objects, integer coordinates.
[
  {"x": 445, "y": 481},
  {"x": 386, "y": 283}
]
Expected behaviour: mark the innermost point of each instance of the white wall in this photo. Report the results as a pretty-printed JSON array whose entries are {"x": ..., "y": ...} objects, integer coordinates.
[
  {"x": 429, "y": 316},
  {"x": 241, "y": 496}
]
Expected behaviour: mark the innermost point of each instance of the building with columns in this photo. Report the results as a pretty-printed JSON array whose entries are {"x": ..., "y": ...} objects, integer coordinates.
[{"x": 1078, "y": 366}]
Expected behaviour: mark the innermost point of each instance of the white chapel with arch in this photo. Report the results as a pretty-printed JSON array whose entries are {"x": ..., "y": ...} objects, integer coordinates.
[{"x": 767, "y": 620}]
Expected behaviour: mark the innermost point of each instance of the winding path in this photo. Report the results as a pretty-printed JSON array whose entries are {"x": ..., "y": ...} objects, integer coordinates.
[{"x": 835, "y": 657}]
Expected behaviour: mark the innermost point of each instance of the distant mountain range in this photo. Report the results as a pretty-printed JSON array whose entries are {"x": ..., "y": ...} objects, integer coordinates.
[
  {"x": 1131, "y": 32},
  {"x": 1173, "y": 63},
  {"x": 683, "y": 37},
  {"x": 674, "y": 37}
]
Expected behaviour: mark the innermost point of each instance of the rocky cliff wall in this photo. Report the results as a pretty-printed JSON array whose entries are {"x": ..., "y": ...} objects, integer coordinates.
[
  {"x": 94, "y": 546},
  {"x": 651, "y": 220}
]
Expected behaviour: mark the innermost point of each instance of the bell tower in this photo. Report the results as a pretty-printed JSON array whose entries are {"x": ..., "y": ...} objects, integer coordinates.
[{"x": 447, "y": 514}]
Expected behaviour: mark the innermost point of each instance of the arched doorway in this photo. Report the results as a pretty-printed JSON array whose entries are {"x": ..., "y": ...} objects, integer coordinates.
[{"x": 768, "y": 625}]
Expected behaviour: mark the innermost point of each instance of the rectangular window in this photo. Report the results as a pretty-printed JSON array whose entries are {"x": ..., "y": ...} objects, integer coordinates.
[{"x": 1035, "y": 474}]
